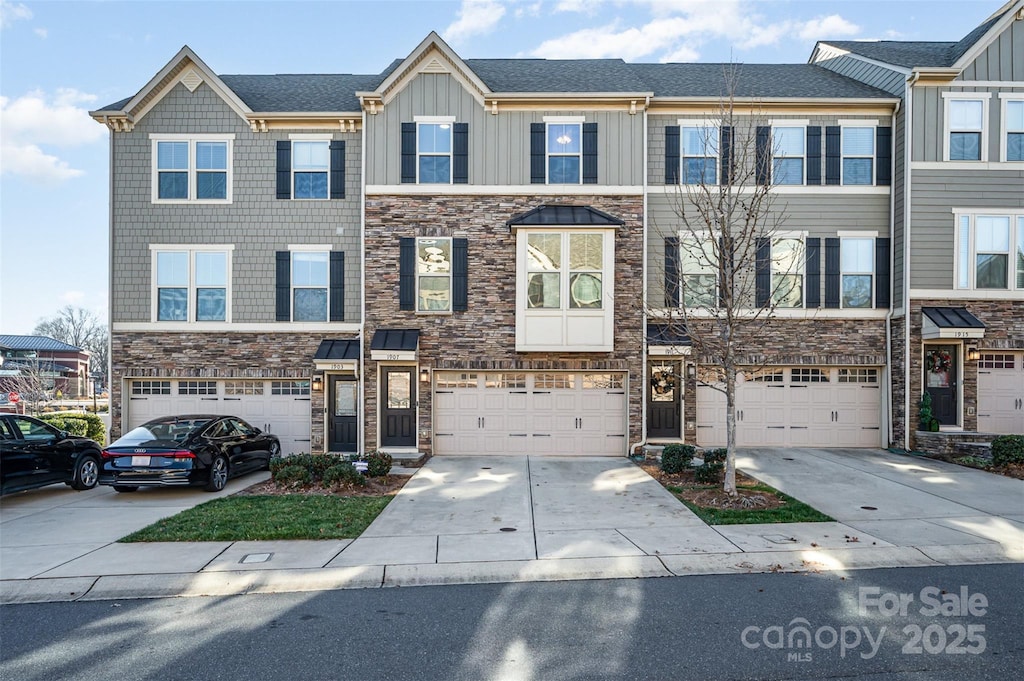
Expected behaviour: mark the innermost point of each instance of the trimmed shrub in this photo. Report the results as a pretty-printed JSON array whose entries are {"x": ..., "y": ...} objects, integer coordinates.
[
  {"x": 676, "y": 458},
  {"x": 378, "y": 464},
  {"x": 716, "y": 455},
  {"x": 84, "y": 425},
  {"x": 343, "y": 473},
  {"x": 1007, "y": 449},
  {"x": 709, "y": 473},
  {"x": 292, "y": 476}
]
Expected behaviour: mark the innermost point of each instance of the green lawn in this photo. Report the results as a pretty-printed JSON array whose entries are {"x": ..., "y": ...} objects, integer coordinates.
[
  {"x": 793, "y": 511},
  {"x": 249, "y": 518}
]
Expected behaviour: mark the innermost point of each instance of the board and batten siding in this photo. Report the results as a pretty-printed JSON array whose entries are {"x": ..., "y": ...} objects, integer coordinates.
[
  {"x": 499, "y": 145},
  {"x": 1002, "y": 60},
  {"x": 820, "y": 215},
  {"x": 256, "y": 222},
  {"x": 858, "y": 69},
  {"x": 898, "y": 183},
  {"x": 933, "y": 196},
  {"x": 929, "y": 116}
]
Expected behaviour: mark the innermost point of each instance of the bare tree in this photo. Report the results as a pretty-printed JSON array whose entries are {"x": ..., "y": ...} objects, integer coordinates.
[
  {"x": 33, "y": 380},
  {"x": 733, "y": 269},
  {"x": 81, "y": 328}
]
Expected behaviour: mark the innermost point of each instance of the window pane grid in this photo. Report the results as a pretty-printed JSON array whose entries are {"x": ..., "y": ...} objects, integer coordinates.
[
  {"x": 700, "y": 154},
  {"x": 433, "y": 274},
  {"x": 858, "y": 148},
  {"x": 197, "y": 387},
  {"x": 192, "y": 170},
  {"x": 564, "y": 148},
  {"x": 809, "y": 376}
]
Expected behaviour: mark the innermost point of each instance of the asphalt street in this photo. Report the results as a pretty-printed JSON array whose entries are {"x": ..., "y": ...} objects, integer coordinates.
[{"x": 956, "y": 622}]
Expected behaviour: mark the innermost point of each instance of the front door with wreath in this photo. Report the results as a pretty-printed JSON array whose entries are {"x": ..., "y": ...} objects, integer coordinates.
[{"x": 940, "y": 381}]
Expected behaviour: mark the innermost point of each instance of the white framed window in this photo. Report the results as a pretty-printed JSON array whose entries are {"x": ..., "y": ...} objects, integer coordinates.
[
  {"x": 965, "y": 134},
  {"x": 857, "y": 271},
  {"x": 699, "y": 152},
  {"x": 787, "y": 261},
  {"x": 311, "y": 167},
  {"x": 990, "y": 251},
  {"x": 192, "y": 168},
  {"x": 310, "y": 285},
  {"x": 1012, "y": 142},
  {"x": 788, "y": 154},
  {"x": 858, "y": 155},
  {"x": 433, "y": 274},
  {"x": 434, "y": 149},
  {"x": 565, "y": 270},
  {"x": 191, "y": 283},
  {"x": 698, "y": 273},
  {"x": 564, "y": 149}
]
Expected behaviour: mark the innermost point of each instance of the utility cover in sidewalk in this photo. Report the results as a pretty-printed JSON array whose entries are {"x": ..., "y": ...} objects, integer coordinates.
[{"x": 256, "y": 558}]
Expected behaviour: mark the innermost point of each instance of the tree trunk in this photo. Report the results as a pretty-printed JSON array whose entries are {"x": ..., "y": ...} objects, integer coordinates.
[{"x": 730, "y": 424}]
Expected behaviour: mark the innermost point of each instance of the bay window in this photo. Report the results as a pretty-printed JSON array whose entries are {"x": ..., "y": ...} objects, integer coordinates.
[{"x": 990, "y": 252}]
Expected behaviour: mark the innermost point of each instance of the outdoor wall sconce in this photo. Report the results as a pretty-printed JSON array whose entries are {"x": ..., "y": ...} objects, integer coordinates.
[
  {"x": 424, "y": 375},
  {"x": 318, "y": 382},
  {"x": 691, "y": 371},
  {"x": 973, "y": 354}
]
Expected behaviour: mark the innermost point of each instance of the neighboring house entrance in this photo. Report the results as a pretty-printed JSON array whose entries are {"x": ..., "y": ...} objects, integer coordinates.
[
  {"x": 556, "y": 413},
  {"x": 1001, "y": 392},
  {"x": 398, "y": 406},
  {"x": 663, "y": 406},
  {"x": 281, "y": 407},
  {"x": 342, "y": 427},
  {"x": 796, "y": 407},
  {"x": 940, "y": 381}
]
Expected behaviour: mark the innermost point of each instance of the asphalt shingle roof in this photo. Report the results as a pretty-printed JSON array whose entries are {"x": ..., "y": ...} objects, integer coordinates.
[
  {"x": 558, "y": 75},
  {"x": 11, "y": 342},
  {"x": 767, "y": 81},
  {"x": 301, "y": 92}
]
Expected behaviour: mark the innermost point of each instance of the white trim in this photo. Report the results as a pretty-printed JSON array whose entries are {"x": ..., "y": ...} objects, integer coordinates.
[
  {"x": 984, "y": 98},
  {"x": 433, "y": 119},
  {"x": 699, "y": 122},
  {"x": 184, "y": 136},
  {"x": 878, "y": 190},
  {"x": 965, "y": 165},
  {"x": 859, "y": 122},
  {"x": 191, "y": 247},
  {"x": 786, "y": 313},
  {"x": 787, "y": 234},
  {"x": 314, "y": 248},
  {"x": 191, "y": 287},
  {"x": 789, "y": 122},
  {"x": 504, "y": 190},
  {"x": 565, "y": 119},
  {"x": 1004, "y": 132},
  {"x": 311, "y": 136},
  {"x": 858, "y": 234},
  {"x": 989, "y": 83},
  {"x": 192, "y": 171},
  {"x": 967, "y": 294},
  {"x": 668, "y": 350},
  {"x": 234, "y": 327}
]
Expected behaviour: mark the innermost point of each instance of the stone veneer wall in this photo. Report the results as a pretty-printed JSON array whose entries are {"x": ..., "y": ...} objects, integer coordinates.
[
  {"x": 215, "y": 356},
  {"x": 1004, "y": 320},
  {"x": 483, "y": 337}
]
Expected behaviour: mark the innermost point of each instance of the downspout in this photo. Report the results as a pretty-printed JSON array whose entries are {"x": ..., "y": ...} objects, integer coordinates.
[
  {"x": 907, "y": 219},
  {"x": 110, "y": 297},
  {"x": 361, "y": 430},
  {"x": 643, "y": 300},
  {"x": 887, "y": 439}
]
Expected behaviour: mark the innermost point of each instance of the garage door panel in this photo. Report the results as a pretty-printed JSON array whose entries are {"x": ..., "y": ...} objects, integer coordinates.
[{"x": 1001, "y": 393}]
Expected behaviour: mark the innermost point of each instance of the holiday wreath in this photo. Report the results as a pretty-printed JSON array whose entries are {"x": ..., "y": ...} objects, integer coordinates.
[{"x": 939, "y": 361}]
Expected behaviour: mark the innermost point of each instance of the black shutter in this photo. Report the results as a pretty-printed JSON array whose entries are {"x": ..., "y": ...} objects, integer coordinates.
[
  {"x": 460, "y": 275},
  {"x": 337, "y": 290},
  {"x": 831, "y": 272},
  {"x": 407, "y": 274},
  {"x": 590, "y": 153},
  {"x": 671, "y": 154},
  {"x": 460, "y": 153},
  {"x": 671, "y": 271},
  {"x": 284, "y": 286},
  {"x": 284, "y": 169},
  {"x": 764, "y": 154},
  {"x": 763, "y": 272},
  {"x": 725, "y": 153},
  {"x": 833, "y": 159},
  {"x": 337, "y": 170},
  {"x": 883, "y": 156},
  {"x": 813, "y": 269},
  {"x": 882, "y": 279},
  {"x": 538, "y": 149},
  {"x": 408, "y": 153},
  {"x": 814, "y": 154}
]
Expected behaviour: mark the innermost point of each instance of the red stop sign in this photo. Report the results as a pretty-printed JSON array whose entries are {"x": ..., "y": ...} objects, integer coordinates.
[{"x": 14, "y": 398}]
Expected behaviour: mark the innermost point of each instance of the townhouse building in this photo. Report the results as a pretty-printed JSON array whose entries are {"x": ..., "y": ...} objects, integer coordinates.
[{"x": 480, "y": 256}]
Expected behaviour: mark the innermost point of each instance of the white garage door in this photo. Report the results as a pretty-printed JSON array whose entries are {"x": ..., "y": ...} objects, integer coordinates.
[
  {"x": 796, "y": 407},
  {"x": 278, "y": 407},
  {"x": 1001, "y": 393},
  {"x": 530, "y": 413}
]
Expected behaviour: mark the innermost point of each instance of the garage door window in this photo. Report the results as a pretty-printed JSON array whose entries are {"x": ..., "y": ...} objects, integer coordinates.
[
  {"x": 767, "y": 377},
  {"x": 995, "y": 361},
  {"x": 243, "y": 388},
  {"x": 858, "y": 375},
  {"x": 555, "y": 381},
  {"x": 505, "y": 381},
  {"x": 602, "y": 381},
  {"x": 197, "y": 387},
  {"x": 151, "y": 388},
  {"x": 810, "y": 376},
  {"x": 289, "y": 387},
  {"x": 457, "y": 380}
]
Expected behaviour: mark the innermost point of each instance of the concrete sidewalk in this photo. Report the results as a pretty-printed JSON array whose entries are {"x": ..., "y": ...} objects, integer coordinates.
[{"x": 510, "y": 519}]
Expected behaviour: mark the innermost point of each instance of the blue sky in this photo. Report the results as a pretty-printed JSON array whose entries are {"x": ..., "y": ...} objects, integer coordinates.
[{"x": 59, "y": 60}]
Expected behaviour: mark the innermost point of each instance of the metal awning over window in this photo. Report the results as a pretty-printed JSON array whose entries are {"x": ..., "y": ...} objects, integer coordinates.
[
  {"x": 395, "y": 344},
  {"x": 337, "y": 355},
  {"x": 950, "y": 323},
  {"x": 667, "y": 339},
  {"x": 563, "y": 216}
]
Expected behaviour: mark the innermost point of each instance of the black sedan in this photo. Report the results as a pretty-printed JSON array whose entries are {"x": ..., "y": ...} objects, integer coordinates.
[
  {"x": 198, "y": 449},
  {"x": 35, "y": 454}
]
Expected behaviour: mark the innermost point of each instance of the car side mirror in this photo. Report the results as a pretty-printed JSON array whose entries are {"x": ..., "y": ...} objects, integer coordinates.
[{"x": 256, "y": 431}]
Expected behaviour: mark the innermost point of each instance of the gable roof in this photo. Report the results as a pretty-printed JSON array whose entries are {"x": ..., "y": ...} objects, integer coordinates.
[
  {"x": 558, "y": 75},
  {"x": 301, "y": 92},
  {"x": 44, "y": 343},
  {"x": 766, "y": 81}
]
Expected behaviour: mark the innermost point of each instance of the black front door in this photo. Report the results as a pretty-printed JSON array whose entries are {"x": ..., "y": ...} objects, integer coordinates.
[
  {"x": 341, "y": 414},
  {"x": 940, "y": 381},
  {"x": 398, "y": 407},
  {"x": 663, "y": 413}
]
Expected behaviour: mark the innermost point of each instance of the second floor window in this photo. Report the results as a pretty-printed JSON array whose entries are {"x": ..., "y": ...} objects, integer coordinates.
[
  {"x": 196, "y": 168},
  {"x": 788, "y": 272},
  {"x": 857, "y": 265},
  {"x": 990, "y": 252},
  {"x": 434, "y": 153},
  {"x": 434, "y": 274},
  {"x": 565, "y": 151},
  {"x": 788, "y": 155},
  {"x": 698, "y": 273},
  {"x": 858, "y": 155},
  {"x": 309, "y": 286},
  {"x": 699, "y": 154},
  {"x": 1014, "y": 123},
  {"x": 311, "y": 165},
  {"x": 191, "y": 285},
  {"x": 966, "y": 124}
]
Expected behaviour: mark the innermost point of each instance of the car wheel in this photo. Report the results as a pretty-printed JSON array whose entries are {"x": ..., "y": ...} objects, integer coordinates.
[
  {"x": 275, "y": 450},
  {"x": 87, "y": 473},
  {"x": 125, "y": 488},
  {"x": 218, "y": 474}
]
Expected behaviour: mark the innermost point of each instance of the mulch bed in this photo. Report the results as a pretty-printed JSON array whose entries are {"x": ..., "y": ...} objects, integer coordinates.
[
  {"x": 375, "y": 487},
  {"x": 713, "y": 496}
]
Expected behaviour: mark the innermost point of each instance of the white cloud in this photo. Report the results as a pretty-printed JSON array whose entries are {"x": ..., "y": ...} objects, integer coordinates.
[
  {"x": 832, "y": 26},
  {"x": 41, "y": 32},
  {"x": 475, "y": 17},
  {"x": 11, "y": 12},
  {"x": 33, "y": 121},
  {"x": 576, "y": 5},
  {"x": 532, "y": 10}
]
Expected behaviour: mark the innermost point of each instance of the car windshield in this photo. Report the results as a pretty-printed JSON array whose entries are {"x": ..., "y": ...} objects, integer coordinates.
[{"x": 175, "y": 431}]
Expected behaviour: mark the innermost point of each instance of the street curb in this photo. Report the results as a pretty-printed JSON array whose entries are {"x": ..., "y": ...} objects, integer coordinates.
[
  {"x": 490, "y": 572},
  {"x": 44, "y": 590}
]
